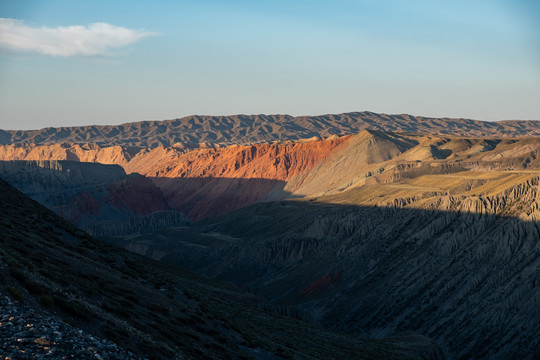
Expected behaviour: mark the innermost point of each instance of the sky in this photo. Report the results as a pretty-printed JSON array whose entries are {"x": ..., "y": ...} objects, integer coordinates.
[{"x": 71, "y": 62}]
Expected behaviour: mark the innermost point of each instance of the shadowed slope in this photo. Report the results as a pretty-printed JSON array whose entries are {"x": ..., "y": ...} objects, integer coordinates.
[
  {"x": 100, "y": 198},
  {"x": 203, "y": 197},
  {"x": 453, "y": 256},
  {"x": 151, "y": 308}
]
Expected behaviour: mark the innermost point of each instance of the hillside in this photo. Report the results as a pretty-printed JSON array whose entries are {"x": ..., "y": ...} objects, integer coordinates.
[
  {"x": 97, "y": 197},
  {"x": 196, "y": 131},
  {"x": 205, "y": 182},
  {"x": 52, "y": 270},
  {"x": 455, "y": 257}
]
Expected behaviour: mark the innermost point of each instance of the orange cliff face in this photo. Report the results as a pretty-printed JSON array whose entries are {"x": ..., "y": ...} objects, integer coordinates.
[
  {"x": 204, "y": 181},
  {"x": 279, "y": 161}
]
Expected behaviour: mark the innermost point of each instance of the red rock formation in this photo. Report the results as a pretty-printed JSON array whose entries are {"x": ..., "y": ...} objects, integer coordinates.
[
  {"x": 279, "y": 161},
  {"x": 205, "y": 182}
]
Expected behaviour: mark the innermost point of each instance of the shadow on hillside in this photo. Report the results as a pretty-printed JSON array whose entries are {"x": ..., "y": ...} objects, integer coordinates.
[
  {"x": 36, "y": 175},
  {"x": 204, "y": 197},
  {"x": 470, "y": 281},
  {"x": 106, "y": 201},
  {"x": 101, "y": 199}
]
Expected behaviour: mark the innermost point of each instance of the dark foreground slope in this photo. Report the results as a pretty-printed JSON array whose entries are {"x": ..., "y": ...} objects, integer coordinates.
[
  {"x": 194, "y": 130},
  {"x": 59, "y": 274}
]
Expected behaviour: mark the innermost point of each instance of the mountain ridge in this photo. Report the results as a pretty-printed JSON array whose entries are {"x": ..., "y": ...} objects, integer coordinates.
[{"x": 196, "y": 130}]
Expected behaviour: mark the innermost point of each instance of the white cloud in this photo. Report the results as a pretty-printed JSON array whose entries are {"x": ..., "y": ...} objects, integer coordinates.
[{"x": 94, "y": 39}]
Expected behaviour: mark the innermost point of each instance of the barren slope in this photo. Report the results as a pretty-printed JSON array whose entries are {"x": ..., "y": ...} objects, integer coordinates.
[
  {"x": 435, "y": 234},
  {"x": 99, "y": 198},
  {"x": 454, "y": 257},
  {"x": 208, "y": 181},
  {"x": 152, "y": 309}
]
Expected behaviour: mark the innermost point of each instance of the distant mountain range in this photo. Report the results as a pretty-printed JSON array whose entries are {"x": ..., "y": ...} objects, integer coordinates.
[{"x": 196, "y": 131}]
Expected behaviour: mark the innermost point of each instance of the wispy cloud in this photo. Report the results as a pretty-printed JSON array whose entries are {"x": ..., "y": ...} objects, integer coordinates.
[{"x": 93, "y": 39}]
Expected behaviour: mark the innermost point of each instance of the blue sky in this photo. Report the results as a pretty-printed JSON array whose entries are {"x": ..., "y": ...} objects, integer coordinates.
[{"x": 65, "y": 63}]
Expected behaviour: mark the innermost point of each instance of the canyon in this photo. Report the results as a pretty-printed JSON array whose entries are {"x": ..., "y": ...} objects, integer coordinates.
[
  {"x": 65, "y": 293},
  {"x": 360, "y": 223},
  {"x": 205, "y": 182}
]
